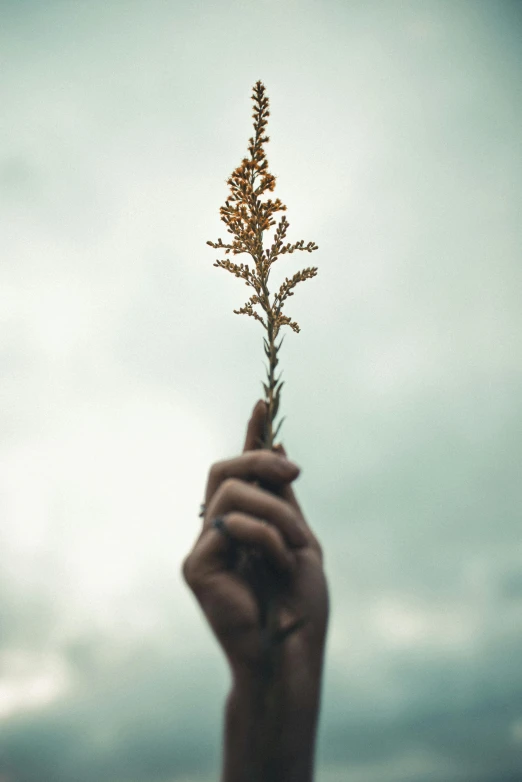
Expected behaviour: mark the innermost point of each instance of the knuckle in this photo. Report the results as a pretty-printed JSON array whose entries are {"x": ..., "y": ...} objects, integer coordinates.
[{"x": 230, "y": 486}]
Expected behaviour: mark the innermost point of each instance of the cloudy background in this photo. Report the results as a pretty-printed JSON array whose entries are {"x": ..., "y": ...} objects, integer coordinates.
[{"x": 395, "y": 136}]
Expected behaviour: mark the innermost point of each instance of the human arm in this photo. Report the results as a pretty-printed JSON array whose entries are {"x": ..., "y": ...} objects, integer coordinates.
[{"x": 270, "y": 728}]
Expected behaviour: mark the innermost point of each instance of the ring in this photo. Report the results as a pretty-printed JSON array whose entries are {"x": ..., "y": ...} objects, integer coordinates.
[
  {"x": 202, "y": 510},
  {"x": 219, "y": 524}
]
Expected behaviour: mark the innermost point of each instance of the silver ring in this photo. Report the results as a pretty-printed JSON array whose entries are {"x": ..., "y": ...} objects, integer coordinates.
[{"x": 202, "y": 510}]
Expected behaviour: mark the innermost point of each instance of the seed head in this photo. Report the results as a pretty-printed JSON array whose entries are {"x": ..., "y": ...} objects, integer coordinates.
[{"x": 247, "y": 216}]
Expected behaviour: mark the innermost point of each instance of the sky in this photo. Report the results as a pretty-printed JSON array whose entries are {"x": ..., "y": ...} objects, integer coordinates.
[{"x": 124, "y": 374}]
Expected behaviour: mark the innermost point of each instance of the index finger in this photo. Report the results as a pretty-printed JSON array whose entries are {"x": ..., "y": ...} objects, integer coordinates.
[{"x": 287, "y": 492}]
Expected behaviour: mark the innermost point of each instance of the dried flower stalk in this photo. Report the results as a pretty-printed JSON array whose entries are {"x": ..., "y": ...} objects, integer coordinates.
[{"x": 247, "y": 217}]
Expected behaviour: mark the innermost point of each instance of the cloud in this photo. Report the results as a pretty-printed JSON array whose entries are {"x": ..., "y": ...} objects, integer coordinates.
[
  {"x": 124, "y": 375},
  {"x": 99, "y": 732}
]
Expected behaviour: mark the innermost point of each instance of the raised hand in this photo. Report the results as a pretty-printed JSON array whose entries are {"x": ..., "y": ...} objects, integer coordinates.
[{"x": 267, "y": 519}]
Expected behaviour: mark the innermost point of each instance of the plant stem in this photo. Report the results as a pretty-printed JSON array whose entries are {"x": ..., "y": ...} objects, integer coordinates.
[{"x": 269, "y": 707}]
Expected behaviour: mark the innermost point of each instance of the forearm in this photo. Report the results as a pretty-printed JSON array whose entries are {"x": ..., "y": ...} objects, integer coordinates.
[{"x": 270, "y": 742}]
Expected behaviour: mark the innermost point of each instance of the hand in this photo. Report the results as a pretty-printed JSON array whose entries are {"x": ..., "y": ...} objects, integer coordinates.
[{"x": 229, "y": 596}]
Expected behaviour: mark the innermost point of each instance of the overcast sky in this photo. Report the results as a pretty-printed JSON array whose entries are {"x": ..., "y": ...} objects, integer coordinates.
[{"x": 396, "y": 141}]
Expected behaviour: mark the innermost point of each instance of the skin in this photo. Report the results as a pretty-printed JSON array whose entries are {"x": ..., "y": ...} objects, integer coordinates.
[
  {"x": 227, "y": 598},
  {"x": 254, "y": 494}
]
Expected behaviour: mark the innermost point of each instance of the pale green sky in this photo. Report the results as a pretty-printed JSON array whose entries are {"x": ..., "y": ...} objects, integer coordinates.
[{"x": 395, "y": 137}]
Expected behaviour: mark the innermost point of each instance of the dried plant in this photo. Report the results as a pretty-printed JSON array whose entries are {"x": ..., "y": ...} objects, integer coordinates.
[{"x": 247, "y": 217}]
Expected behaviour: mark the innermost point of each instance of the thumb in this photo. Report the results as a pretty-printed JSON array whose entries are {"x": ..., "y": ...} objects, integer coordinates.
[{"x": 256, "y": 426}]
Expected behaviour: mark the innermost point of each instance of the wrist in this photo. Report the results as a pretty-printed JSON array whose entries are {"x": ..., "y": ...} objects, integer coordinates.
[{"x": 270, "y": 733}]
